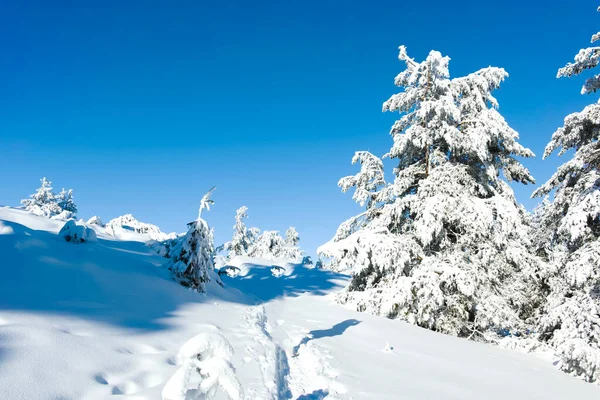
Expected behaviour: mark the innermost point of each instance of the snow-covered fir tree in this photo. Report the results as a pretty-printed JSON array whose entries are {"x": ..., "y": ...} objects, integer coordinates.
[
  {"x": 191, "y": 258},
  {"x": 43, "y": 202},
  {"x": 66, "y": 203},
  {"x": 268, "y": 245},
  {"x": 568, "y": 232},
  {"x": 242, "y": 238},
  {"x": 445, "y": 246},
  {"x": 291, "y": 236}
]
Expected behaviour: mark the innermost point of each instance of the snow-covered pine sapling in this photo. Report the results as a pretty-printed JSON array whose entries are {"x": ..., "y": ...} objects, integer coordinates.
[
  {"x": 291, "y": 236},
  {"x": 65, "y": 201},
  {"x": 568, "y": 231},
  {"x": 192, "y": 256},
  {"x": 43, "y": 201},
  {"x": 242, "y": 237},
  {"x": 209, "y": 354}
]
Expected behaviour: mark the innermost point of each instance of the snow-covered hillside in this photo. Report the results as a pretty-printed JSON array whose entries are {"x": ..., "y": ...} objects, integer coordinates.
[{"x": 104, "y": 320}]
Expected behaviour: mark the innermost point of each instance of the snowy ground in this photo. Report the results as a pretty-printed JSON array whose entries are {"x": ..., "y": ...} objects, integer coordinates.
[{"x": 99, "y": 320}]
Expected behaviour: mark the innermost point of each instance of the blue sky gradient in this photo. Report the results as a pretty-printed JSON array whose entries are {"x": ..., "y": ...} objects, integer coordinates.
[{"x": 141, "y": 107}]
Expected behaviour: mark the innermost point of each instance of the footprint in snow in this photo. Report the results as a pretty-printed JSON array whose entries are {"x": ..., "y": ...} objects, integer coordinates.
[
  {"x": 101, "y": 379},
  {"x": 172, "y": 360}
]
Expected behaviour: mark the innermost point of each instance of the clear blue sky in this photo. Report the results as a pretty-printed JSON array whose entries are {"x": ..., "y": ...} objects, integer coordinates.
[{"x": 142, "y": 106}]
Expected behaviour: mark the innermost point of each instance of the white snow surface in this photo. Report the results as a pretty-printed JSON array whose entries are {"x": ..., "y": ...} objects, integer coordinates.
[
  {"x": 106, "y": 321},
  {"x": 126, "y": 227}
]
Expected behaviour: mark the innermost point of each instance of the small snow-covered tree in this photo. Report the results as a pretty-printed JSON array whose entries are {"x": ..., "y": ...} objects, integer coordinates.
[
  {"x": 47, "y": 204},
  {"x": 242, "y": 238},
  {"x": 291, "y": 237},
  {"x": 192, "y": 256},
  {"x": 445, "y": 246},
  {"x": 66, "y": 203},
  {"x": 210, "y": 354},
  {"x": 268, "y": 245},
  {"x": 271, "y": 246},
  {"x": 43, "y": 201},
  {"x": 568, "y": 233}
]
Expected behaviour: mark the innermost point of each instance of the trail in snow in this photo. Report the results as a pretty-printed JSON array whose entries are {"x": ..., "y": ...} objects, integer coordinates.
[
  {"x": 292, "y": 364},
  {"x": 310, "y": 376},
  {"x": 269, "y": 355}
]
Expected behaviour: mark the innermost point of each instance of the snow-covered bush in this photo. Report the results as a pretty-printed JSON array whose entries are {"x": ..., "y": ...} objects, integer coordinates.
[
  {"x": 307, "y": 261},
  {"x": 230, "y": 271},
  {"x": 210, "y": 355},
  {"x": 271, "y": 246},
  {"x": 191, "y": 257},
  {"x": 268, "y": 245},
  {"x": 568, "y": 229},
  {"x": 46, "y": 204},
  {"x": 445, "y": 245},
  {"x": 74, "y": 233},
  {"x": 164, "y": 248}
]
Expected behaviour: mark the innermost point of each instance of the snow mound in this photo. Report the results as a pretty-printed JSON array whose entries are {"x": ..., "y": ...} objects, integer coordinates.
[
  {"x": 126, "y": 227},
  {"x": 74, "y": 233},
  {"x": 210, "y": 353},
  {"x": 95, "y": 220},
  {"x": 5, "y": 230}
]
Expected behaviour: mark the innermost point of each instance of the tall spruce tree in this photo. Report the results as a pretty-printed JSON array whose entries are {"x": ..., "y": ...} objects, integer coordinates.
[
  {"x": 445, "y": 246},
  {"x": 568, "y": 232}
]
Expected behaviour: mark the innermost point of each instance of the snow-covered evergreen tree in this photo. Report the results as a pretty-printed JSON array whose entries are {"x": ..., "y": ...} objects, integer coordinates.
[
  {"x": 47, "y": 204},
  {"x": 444, "y": 246},
  {"x": 242, "y": 237},
  {"x": 66, "y": 203},
  {"x": 271, "y": 246},
  {"x": 43, "y": 201},
  {"x": 568, "y": 232},
  {"x": 268, "y": 245},
  {"x": 192, "y": 256},
  {"x": 291, "y": 236}
]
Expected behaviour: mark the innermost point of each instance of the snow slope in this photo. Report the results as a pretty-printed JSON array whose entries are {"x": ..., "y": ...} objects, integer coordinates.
[{"x": 104, "y": 320}]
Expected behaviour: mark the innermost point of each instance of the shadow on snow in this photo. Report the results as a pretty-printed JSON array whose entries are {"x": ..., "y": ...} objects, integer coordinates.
[
  {"x": 123, "y": 283},
  {"x": 115, "y": 282},
  {"x": 260, "y": 283},
  {"x": 336, "y": 330}
]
